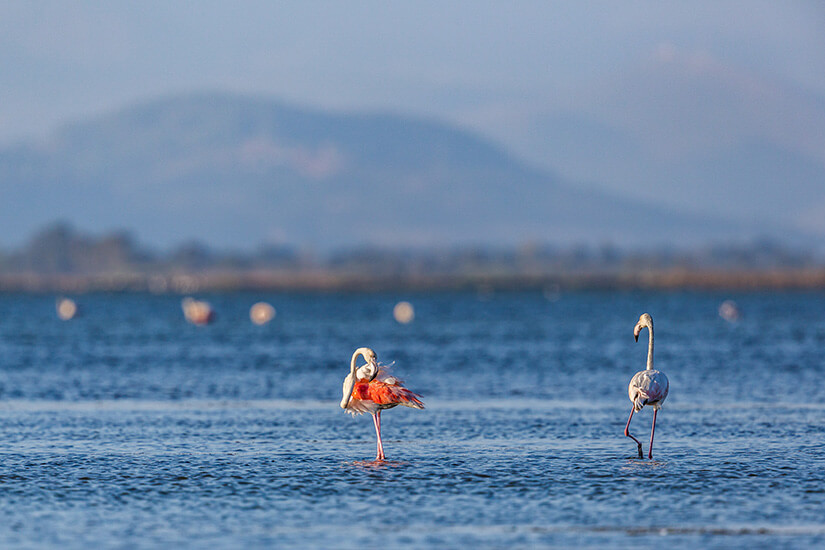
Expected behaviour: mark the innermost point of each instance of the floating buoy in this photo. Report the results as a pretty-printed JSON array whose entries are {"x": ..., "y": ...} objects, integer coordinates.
[
  {"x": 729, "y": 311},
  {"x": 66, "y": 309},
  {"x": 197, "y": 312},
  {"x": 403, "y": 312},
  {"x": 261, "y": 313}
]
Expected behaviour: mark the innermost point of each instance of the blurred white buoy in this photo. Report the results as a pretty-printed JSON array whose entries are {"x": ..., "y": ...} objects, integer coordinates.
[
  {"x": 403, "y": 312},
  {"x": 66, "y": 308},
  {"x": 729, "y": 311},
  {"x": 261, "y": 313},
  {"x": 197, "y": 312}
]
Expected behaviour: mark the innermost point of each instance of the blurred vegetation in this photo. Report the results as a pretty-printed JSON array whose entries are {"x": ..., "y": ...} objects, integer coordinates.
[{"x": 61, "y": 258}]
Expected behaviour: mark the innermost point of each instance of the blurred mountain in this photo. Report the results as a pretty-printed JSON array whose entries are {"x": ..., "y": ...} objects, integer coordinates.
[
  {"x": 690, "y": 131},
  {"x": 237, "y": 171}
]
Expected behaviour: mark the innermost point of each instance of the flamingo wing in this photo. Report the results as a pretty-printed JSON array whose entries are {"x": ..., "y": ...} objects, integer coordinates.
[
  {"x": 374, "y": 395},
  {"x": 389, "y": 395}
]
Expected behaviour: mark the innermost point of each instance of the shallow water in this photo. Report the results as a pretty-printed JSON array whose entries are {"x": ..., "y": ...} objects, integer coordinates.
[{"x": 128, "y": 428}]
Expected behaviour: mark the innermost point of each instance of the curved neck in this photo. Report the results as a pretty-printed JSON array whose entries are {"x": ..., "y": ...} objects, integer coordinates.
[
  {"x": 349, "y": 382},
  {"x": 650, "y": 348},
  {"x": 352, "y": 367}
]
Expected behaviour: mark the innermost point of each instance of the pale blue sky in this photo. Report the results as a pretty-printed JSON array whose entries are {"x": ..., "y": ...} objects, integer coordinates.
[{"x": 460, "y": 60}]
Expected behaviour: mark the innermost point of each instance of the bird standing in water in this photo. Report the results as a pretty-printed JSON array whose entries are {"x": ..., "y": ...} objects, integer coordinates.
[
  {"x": 647, "y": 387},
  {"x": 370, "y": 388}
]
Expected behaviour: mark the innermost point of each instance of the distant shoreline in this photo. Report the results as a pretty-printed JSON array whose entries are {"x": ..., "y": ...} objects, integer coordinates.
[
  {"x": 332, "y": 281},
  {"x": 61, "y": 259}
]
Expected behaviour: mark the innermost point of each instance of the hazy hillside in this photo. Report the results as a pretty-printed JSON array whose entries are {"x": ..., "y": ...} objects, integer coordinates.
[
  {"x": 239, "y": 171},
  {"x": 691, "y": 131}
]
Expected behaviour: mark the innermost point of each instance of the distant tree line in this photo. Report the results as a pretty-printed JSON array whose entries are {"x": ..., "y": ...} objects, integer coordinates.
[{"x": 60, "y": 249}]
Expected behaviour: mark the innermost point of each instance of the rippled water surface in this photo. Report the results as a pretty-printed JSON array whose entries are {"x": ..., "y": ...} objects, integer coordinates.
[{"x": 128, "y": 428}]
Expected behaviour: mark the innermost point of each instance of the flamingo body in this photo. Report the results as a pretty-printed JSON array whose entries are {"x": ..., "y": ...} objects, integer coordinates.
[
  {"x": 371, "y": 389},
  {"x": 382, "y": 392},
  {"x": 648, "y": 387}
]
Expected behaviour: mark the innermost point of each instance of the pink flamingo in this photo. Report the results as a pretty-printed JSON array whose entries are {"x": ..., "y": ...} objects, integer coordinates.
[
  {"x": 647, "y": 387},
  {"x": 370, "y": 388}
]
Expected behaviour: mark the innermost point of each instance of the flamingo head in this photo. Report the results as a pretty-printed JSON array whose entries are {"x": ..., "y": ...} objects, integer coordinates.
[
  {"x": 367, "y": 354},
  {"x": 645, "y": 321},
  {"x": 349, "y": 381}
]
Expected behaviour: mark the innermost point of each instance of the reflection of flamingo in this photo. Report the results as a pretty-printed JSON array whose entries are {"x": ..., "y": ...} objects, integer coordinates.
[
  {"x": 647, "y": 387},
  {"x": 370, "y": 388}
]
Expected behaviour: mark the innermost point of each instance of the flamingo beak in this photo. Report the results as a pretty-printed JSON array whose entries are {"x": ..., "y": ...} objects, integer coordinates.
[{"x": 636, "y": 330}]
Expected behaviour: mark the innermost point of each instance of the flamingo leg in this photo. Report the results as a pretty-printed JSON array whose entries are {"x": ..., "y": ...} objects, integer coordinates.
[
  {"x": 627, "y": 432},
  {"x": 652, "y": 429},
  {"x": 376, "y": 419}
]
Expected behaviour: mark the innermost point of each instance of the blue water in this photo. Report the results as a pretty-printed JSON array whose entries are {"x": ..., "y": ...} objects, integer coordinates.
[{"x": 128, "y": 428}]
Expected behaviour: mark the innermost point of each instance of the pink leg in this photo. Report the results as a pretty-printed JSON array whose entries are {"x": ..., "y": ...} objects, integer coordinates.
[
  {"x": 627, "y": 432},
  {"x": 376, "y": 419},
  {"x": 652, "y": 429}
]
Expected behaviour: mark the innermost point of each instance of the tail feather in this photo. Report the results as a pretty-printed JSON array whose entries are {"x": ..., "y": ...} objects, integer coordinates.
[
  {"x": 403, "y": 396},
  {"x": 640, "y": 401},
  {"x": 413, "y": 401}
]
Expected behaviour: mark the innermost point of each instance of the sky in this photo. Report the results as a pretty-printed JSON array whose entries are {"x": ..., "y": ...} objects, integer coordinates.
[
  {"x": 667, "y": 102},
  {"x": 468, "y": 62}
]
